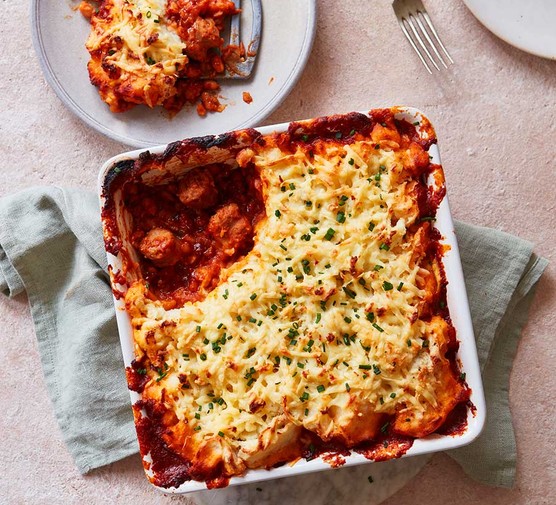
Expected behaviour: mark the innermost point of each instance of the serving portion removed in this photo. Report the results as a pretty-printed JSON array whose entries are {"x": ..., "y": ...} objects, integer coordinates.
[
  {"x": 288, "y": 299},
  {"x": 160, "y": 53}
]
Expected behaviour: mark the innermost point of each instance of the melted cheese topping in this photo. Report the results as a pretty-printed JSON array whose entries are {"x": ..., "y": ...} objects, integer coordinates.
[
  {"x": 318, "y": 326},
  {"x": 138, "y": 39}
]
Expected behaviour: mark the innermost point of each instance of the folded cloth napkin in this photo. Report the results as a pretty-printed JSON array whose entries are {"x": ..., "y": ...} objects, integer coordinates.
[{"x": 51, "y": 247}]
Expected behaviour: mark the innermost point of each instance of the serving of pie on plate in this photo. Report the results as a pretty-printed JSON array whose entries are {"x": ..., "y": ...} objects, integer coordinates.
[
  {"x": 160, "y": 53},
  {"x": 287, "y": 297},
  {"x": 60, "y": 35}
]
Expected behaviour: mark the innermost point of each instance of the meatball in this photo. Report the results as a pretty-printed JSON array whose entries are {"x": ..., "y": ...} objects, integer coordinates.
[
  {"x": 201, "y": 37},
  {"x": 161, "y": 247},
  {"x": 230, "y": 227},
  {"x": 197, "y": 190}
]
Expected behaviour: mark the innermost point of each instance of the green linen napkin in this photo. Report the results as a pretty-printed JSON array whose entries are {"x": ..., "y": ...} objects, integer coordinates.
[{"x": 51, "y": 248}]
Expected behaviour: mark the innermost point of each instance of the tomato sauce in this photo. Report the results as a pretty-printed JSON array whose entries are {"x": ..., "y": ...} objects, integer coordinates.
[{"x": 188, "y": 268}]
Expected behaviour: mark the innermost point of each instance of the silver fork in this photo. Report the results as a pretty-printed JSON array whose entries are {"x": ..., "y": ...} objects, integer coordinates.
[
  {"x": 420, "y": 32},
  {"x": 243, "y": 69}
]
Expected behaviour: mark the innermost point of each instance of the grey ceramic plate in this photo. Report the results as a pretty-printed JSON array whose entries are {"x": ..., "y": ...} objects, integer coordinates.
[{"x": 59, "y": 35}]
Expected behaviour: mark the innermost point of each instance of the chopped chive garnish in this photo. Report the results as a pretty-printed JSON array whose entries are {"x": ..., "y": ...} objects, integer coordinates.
[
  {"x": 370, "y": 316},
  {"x": 253, "y": 296},
  {"x": 425, "y": 343},
  {"x": 378, "y": 327},
  {"x": 392, "y": 395},
  {"x": 346, "y": 340},
  {"x": 384, "y": 427},
  {"x": 320, "y": 388},
  {"x": 377, "y": 146},
  {"x": 352, "y": 294},
  {"x": 387, "y": 286},
  {"x": 304, "y": 397},
  {"x": 351, "y": 161},
  {"x": 365, "y": 367},
  {"x": 347, "y": 387},
  {"x": 203, "y": 357},
  {"x": 341, "y": 217},
  {"x": 462, "y": 376},
  {"x": 252, "y": 320},
  {"x": 198, "y": 329},
  {"x": 292, "y": 186},
  {"x": 251, "y": 351},
  {"x": 305, "y": 138},
  {"x": 371, "y": 226},
  {"x": 238, "y": 317},
  {"x": 220, "y": 433},
  {"x": 376, "y": 370},
  {"x": 329, "y": 234},
  {"x": 338, "y": 135},
  {"x": 282, "y": 246},
  {"x": 317, "y": 320},
  {"x": 408, "y": 341},
  {"x": 197, "y": 428},
  {"x": 313, "y": 230},
  {"x": 277, "y": 213},
  {"x": 428, "y": 218},
  {"x": 384, "y": 246},
  {"x": 141, "y": 371},
  {"x": 347, "y": 319},
  {"x": 377, "y": 268},
  {"x": 400, "y": 286}
]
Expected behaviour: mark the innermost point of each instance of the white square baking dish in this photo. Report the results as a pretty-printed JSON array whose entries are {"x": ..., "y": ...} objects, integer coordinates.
[{"x": 457, "y": 304}]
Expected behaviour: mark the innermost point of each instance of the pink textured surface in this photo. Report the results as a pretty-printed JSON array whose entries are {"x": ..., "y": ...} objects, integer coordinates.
[{"x": 494, "y": 112}]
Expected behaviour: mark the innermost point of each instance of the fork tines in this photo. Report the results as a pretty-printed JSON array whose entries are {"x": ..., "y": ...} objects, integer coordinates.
[
  {"x": 243, "y": 69},
  {"x": 419, "y": 31}
]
